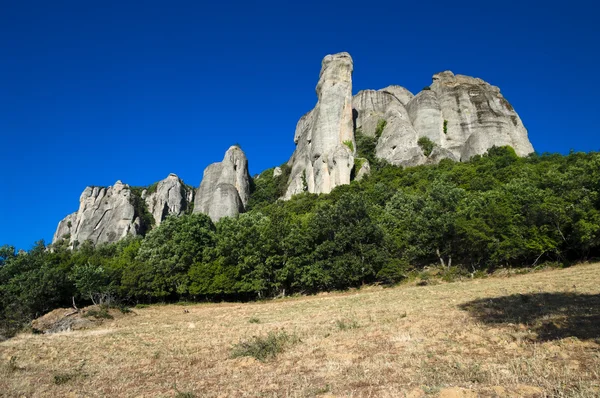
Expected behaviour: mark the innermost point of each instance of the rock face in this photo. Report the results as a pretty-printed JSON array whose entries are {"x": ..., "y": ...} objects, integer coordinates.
[
  {"x": 105, "y": 215},
  {"x": 225, "y": 187},
  {"x": 324, "y": 155},
  {"x": 169, "y": 197},
  {"x": 463, "y": 116}
]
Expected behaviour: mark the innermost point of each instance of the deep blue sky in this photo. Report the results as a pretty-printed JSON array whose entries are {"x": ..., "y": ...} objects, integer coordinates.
[{"x": 93, "y": 92}]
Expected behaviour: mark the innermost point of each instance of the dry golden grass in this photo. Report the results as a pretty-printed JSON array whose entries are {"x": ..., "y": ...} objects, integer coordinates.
[{"x": 486, "y": 337}]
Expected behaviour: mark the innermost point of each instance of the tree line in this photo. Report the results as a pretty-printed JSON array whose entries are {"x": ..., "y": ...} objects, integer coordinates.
[{"x": 497, "y": 210}]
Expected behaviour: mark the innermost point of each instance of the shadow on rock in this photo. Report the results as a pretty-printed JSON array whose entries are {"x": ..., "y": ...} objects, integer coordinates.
[{"x": 552, "y": 316}]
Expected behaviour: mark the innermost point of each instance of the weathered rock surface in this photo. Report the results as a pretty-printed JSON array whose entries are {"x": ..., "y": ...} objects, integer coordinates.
[
  {"x": 478, "y": 116},
  {"x": 463, "y": 116},
  {"x": 105, "y": 215},
  {"x": 324, "y": 155},
  {"x": 370, "y": 107},
  {"x": 170, "y": 197},
  {"x": 225, "y": 187}
]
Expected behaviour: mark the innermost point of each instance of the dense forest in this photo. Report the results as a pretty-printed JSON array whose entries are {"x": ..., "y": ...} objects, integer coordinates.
[{"x": 497, "y": 210}]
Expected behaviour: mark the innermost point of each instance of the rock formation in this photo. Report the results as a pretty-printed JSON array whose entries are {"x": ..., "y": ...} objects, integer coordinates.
[
  {"x": 225, "y": 187},
  {"x": 168, "y": 197},
  {"x": 455, "y": 118},
  {"x": 324, "y": 155},
  {"x": 105, "y": 215},
  {"x": 462, "y": 116}
]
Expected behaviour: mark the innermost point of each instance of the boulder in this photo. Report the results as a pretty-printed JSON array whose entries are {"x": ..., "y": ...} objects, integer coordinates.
[
  {"x": 225, "y": 187},
  {"x": 324, "y": 155}
]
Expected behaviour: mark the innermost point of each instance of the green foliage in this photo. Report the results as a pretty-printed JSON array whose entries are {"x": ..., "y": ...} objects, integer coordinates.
[
  {"x": 92, "y": 282},
  {"x": 350, "y": 145},
  {"x": 166, "y": 254},
  {"x": 151, "y": 189},
  {"x": 141, "y": 209},
  {"x": 365, "y": 148},
  {"x": 445, "y": 127},
  {"x": 426, "y": 88},
  {"x": 426, "y": 145},
  {"x": 264, "y": 347},
  {"x": 394, "y": 271},
  {"x": 268, "y": 188},
  {"x": 380, "y": 126},
  {"x": 254, "y": 320},
  {"x": 466, "y": 219}
]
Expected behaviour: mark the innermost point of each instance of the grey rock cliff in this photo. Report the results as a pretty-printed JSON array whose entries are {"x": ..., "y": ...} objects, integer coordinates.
[
  {"x": 463, "y": 116},
  {"x": 225, "y": 187},
  {"x": 324, "y": 155},
  {"x": 170, "y": 197},
  {"x": 105, "y": 215}
]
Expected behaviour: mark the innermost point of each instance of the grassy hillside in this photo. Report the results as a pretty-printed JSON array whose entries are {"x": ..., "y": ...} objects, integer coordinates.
[{"x": 530, "y": 335}]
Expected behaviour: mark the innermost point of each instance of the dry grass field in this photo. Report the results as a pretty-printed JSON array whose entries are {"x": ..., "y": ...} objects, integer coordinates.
[{"x": 532, "y": 335}]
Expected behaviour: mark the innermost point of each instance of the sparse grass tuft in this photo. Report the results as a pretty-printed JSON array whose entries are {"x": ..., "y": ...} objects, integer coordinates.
[
  {"x": 100, "y": 313},
  {"x": 349, "y": 144},
  {"x": 187, "y": 394},
  {"x": 65, "y": 377},
  {"x": 347, "y": 324},
  {"x": 264, "y": 347},
  {"x": 183, "y": 394},
  {"x": 11, "y": 366}
]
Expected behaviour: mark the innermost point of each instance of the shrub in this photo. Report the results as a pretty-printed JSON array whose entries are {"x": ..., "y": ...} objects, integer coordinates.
[
  {"x": 263, "y": 347},
  {"x": 349, "y": 144},
  {"x": 426, "y": 145},
  {"x": 393, "y": 272},
  {"x": 254, "y": 320},
  {"x": 426, "y": 88},
  {"x": 380, "y": 126},
  {"x": 445, "y": 127}
]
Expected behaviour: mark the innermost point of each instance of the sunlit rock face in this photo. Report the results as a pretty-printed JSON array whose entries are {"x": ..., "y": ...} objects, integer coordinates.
[
  {"x": 171, "y": 197},
  {"x": 462, "y": 116},
  {"x": 105, "y": 215},
  {"x": 225, "y": 187},
  {"x": 325, "y": 147}
]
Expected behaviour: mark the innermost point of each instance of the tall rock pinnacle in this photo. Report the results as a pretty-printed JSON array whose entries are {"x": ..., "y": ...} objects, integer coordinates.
[
  {"x": 225, "y": 187},
  {"x": 324, "y": 155}
]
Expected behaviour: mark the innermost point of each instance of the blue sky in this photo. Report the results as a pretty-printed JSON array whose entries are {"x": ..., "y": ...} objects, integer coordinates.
[{"x": 94, "y": 92}]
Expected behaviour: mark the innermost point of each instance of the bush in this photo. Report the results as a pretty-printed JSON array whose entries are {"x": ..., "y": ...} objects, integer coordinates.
[
  {"x": 264, "y": 347},
  {"x": 426, "y": 145}
]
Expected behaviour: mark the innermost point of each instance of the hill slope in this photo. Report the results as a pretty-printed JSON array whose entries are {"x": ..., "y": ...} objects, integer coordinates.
[{"x": 530, "y": 335}]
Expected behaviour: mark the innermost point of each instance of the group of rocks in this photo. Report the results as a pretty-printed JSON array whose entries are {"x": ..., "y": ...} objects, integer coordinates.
[{"x": 458, "y": 116}]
